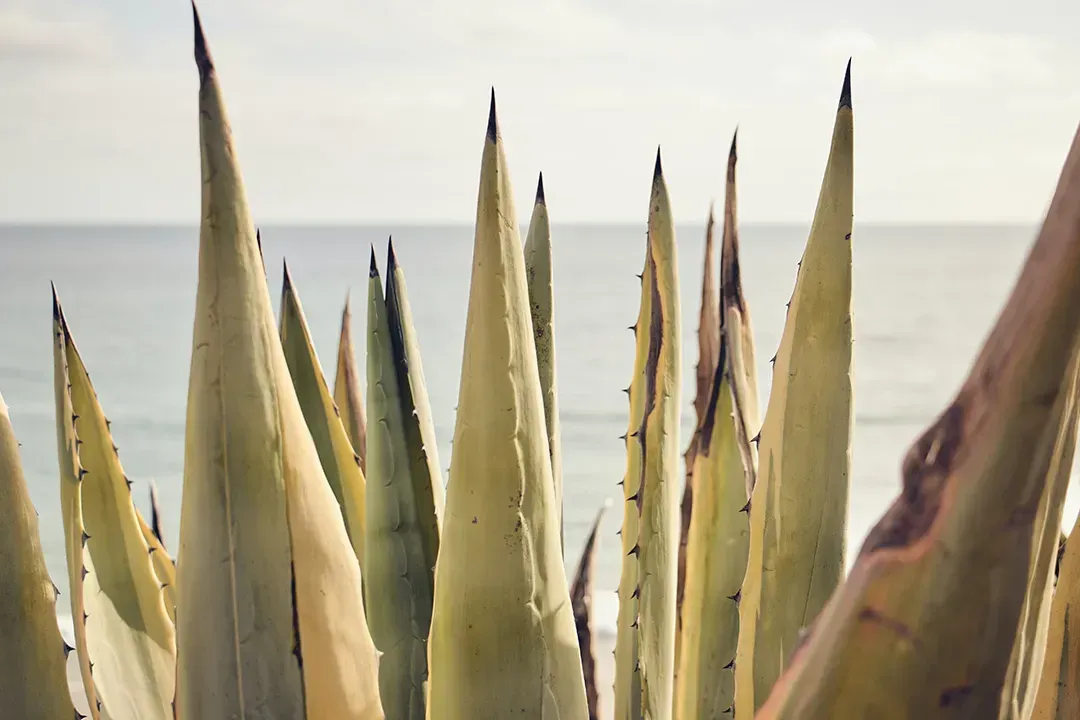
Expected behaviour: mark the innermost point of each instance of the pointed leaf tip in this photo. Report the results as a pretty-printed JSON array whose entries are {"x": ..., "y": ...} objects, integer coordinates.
[
  {"x": 732, "y": 154},
  {"x": 55, "y": 301},
  {"x": 286, "y": 277},
  {"x": 373, "y": 270},
  {"x": 202, "y": 53},
  {"x": 493, "y": 120},
  {"x": 658, "y": 170},
  {"x": 845, "y": 92},
  {"x": 540, "y": 200},
  {"x": 391, "y": 258}
]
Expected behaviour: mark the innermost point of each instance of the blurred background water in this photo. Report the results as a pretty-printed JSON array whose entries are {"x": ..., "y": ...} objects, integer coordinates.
[{"x": 925, "y": 297}]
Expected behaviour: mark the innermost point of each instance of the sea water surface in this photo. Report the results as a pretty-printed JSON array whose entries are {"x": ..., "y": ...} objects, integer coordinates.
[{"x": 924, "y": 300}]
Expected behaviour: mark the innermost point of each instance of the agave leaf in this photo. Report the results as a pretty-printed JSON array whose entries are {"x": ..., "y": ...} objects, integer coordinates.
[
  {"x": 581, "y": 595},
  {"x": 164, "y": 566},
  {"x": 538, "y": 271},
  {"x": 33, "y": 673},
  {"x": 925, "y": 623},
  {"x": 502, "y": 637},
  {"x": 645, "y": 663},
  {"x": 1029, "y": 649},
  {"x": 738, "y": 330},
  {"x": 127, "y": 639},
  {"x": 708, "y": 352},
  {"x": 720, "y": 527},
  {"x": 155, "y": 514},
  {"x": 270, "y": 613},
  {"x": 799, "y": 508},
  {"x": 404, "y": 503},
  {"x": 339, "y": 463},
  {"x": 419, "y": 426},
  {"x": 350, "y": 403}
]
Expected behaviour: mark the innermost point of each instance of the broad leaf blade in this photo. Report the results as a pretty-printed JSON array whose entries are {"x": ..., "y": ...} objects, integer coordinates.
[{"x": 33, "y": 673}]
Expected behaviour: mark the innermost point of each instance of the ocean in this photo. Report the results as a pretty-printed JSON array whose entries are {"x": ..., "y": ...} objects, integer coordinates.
[{"x": 924, "y": 300}]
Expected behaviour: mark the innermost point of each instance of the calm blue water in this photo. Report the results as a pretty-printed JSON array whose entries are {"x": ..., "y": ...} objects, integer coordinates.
[{"x": 924, "y": 299}]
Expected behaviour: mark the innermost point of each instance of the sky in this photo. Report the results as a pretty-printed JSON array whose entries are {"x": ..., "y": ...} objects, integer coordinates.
[{"x": 360, "y": 111}]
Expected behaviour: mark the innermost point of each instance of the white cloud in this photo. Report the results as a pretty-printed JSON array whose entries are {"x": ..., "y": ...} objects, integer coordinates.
[{"x": 354, "y": 111}]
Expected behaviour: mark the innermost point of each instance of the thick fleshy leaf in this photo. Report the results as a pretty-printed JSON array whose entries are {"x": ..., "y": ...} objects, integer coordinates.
[
  {"x": 581, "y": 597},
  {"x": 708, "y": 354},
  {"x": 404, "y": 501},
  {"x": 347, "y": 397},
  {"x": 925, "y": 623},
  {"x": 503, "y": 641},
  {"x": 1030, "y": 647},
  {"x": 720, "y": 527},
  {"x": 270, "y": 614},
  {"x": 538, "y": 271},
  {"x": 127, "y": 637},
  {"x": 645, "y": 646},
  {"x": 798, "y": 514},
  {"x": 33, "y": 673},
  {"x": 339, "y": 462}
]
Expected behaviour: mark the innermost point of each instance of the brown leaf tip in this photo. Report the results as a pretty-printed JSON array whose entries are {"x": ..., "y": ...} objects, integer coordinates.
[
  {"x": 202, "y": 53},
  {"x": 57, "y": 315},
  {"x": 286, "y": 281},
  {"x": 391, "y": 258},
  {"x": 658, "y": 169},
  {"x": 845, "y": 92},
  {"x": 493, "y": 120},
  {"x": 540, "y": 200},
  {"x": 733, "y": 156},
  {"x": 373, "y": 269}
]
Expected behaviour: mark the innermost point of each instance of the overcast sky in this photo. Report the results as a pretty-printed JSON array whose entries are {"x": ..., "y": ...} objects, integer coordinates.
[{"x": 353, "y": 110}]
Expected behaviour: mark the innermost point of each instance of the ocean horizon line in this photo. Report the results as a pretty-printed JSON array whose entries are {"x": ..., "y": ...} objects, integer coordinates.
[{"x": 458, "y": 224}]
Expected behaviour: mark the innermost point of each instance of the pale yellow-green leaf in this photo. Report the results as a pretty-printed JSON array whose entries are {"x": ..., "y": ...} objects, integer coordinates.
[
  {"x": 720, "y": 525},
  {"x": 270, "y": 613},
  {"x": 128, "y": 639},
  {"x": 71, "y": 504},
  {"x": 164, "y": 566},
  {"x": 708, "y": 335},
  {"x": 403, "y": 494},
  {"x": 1029, "y": 649},
  {"x": 798, "y": 514},
  {"x": 924, "y": 625},
  {"x": 339, "y": 462},
  {"x": 1053, "y": 682},
  {"x": 33, "y": 673},
  {"x": 645, "y": 664},
  {"x": 581, "y": 597},
  {"x": 350, "y": 403},
  {"x": 503, "y": 642},
  {"x": 538, "y": 271}
]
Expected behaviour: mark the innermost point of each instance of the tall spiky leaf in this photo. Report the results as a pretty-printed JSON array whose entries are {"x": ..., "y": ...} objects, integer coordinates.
[
  {"x": 128, "y": 640},
  {"x": 720, "y": 527},
  {"x": 350, "y": 403},
  {"x": 924, "y": 625},
  {"x": 164, "y": 564},
  {"x": 155, "y": 514},
  {"x": 645, "y": 646},
  {"x": 799, "y": 509},
  {"x": 1030, "y": 645},
  {"x": 270, "y": 614},
  {"x": 33, "y": 673},
  {"x": 538, "y": 271},
  {"x": 404, "y": 504},
  {"x": 581, "y": 596},
  {"x": 738, "y": 329},
  {"x": 339, "y": 462},
  {"x": 502, "y": 637},
  {"x": 708, "y": 353}
]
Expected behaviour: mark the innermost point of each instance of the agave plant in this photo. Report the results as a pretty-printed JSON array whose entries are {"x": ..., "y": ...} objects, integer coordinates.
[{"x": 320, "y": 575}]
